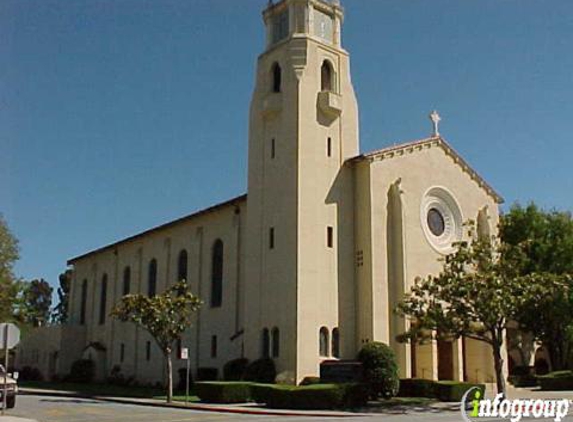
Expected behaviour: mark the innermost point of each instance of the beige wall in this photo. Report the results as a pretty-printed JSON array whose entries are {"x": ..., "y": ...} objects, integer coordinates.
[{"x": 197, "y": 237}]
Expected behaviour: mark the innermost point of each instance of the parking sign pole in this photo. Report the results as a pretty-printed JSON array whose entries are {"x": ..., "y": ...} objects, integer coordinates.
[
  {"x": 5, "y": 368},
  {"x": 187, "y": 383}
]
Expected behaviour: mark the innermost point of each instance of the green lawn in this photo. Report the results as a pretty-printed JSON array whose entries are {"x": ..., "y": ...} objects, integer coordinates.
[
  {"x": 192, "y": 399},
  {"x": 96, "y": 389}
]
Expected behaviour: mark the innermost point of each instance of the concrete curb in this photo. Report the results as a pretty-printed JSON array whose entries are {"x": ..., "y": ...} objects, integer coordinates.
[{"x": 194, "y": 406}]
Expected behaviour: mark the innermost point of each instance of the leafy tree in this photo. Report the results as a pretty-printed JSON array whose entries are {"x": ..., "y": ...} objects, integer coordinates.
[
  {"x": 60, "y": 314},
  {"x": 36, "y": 302},
  {"x": 9, "y": 285},
  {"x": 475, "y": 295},
  {"x": 164, "y": 316},
  {"x": 546, "y": 239}
]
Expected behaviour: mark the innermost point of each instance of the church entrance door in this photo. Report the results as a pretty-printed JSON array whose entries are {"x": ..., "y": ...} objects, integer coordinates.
[{"x": 445, "y": 360}]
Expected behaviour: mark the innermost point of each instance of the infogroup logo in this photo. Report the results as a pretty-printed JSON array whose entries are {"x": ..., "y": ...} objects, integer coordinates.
[{"x": 514, "y": 410}]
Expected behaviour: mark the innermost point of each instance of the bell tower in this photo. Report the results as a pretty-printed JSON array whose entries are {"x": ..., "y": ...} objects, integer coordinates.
[{"x": 299, "y": 274}]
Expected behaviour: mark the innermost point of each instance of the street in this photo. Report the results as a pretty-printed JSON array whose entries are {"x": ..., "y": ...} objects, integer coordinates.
[{"x": 64, "y": 409}]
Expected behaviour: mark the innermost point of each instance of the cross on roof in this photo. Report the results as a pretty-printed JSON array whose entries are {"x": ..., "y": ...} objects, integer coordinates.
[{"x": 436, "y": 119}]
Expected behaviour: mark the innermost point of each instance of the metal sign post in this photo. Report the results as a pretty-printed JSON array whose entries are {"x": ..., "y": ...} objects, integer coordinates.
[{"x": 185, "y": 355}]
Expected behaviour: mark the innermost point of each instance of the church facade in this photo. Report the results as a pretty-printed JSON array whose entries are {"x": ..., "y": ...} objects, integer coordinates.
[{"x": 310, "y": 263}]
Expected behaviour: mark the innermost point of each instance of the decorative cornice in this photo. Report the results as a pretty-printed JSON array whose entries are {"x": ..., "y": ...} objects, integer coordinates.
[{"x": 422, "y": 145}]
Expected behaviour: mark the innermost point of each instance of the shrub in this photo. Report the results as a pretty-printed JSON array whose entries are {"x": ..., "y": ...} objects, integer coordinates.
[
  {"x": 417, "y": 388},
  {"x": 261, "y": 370},
  {"x": 223, "y": 392},
  {"x": 234, "y": 370},
  {"x": 380, "y": 369},
  {"x": 181, "y": 384},
  {"x": 310, "y": 381},
  {"x": 82, "y": 371},
  {"x": 207, "y": 374},
  {"x": 522, "y": 380},
  {"x": 556, "y": 381},
  {"x": 451, "y": 391},
  {"x": 29, "y": 373},
  {"x": 314, "y": 397}
]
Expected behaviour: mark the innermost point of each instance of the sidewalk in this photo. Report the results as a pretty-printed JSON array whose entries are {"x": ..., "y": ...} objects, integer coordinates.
[
  {"x": 15, "y": 419},
  {"x": 246, "y": 408}
]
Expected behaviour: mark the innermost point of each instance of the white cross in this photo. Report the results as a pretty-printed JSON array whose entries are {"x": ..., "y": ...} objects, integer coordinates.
[{"x": 435, "y": 118}]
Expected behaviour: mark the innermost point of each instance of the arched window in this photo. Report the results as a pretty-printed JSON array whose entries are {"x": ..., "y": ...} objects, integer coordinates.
[
  {"x": 103, "y": 299},
  {"x": 276, "y": 74},
  {"x": 152, "y": 278},
  {"x": 336, "y": 343},
  {"x": 217, "y": 274},
  {"x": 265, "y": 343},
  {"x": 323, "y": 342},
  {"x": 126, "y": 280},
  {"x": 275, "y": 342},
  {"x": 84, "y": 302},
  {"x": 326, "y": 76},
  {"x": 182, "y": 266}
]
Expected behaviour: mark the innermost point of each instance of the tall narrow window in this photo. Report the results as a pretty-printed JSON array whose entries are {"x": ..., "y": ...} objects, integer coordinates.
[
  {"x": 126, "y": 280},
  {"x": 323, "y": 342},
  {"x": 265, "y": 343},
  {"x": 179, "y": 347},
  {"x": 273, "y": 146},
  {"x": 326, "y": 74},
  {"x": 84, "y": 301},
  {"x": 213, "y": 346},
  {"x": 182, "y": 266},
  {"x": 336, "y": 343},
  {"x": 272, "y": 238},
  {"x": 276, "y": 342},
  {"x": 152, "y": 278},
  {"x": 103, "y": 299},
  {"x": 217, "y": 274},
  {"x": 121, "y": 352},
  {"x": 329, "y": 147},
  {"x": 277, "y": 77},
  {"x": 329, "y": 236},
  {"x": 148, "y": 351}
]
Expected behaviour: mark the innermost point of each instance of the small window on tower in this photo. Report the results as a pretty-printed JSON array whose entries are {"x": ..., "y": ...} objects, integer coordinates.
[
  {"x": 326, "y": 76},
  {"x": 329, "y": 236},
  {"x": 329, "y": 147},
  {"x": 148, "y": 350},
  {"x": 213, "y": 346},
  {"x": 272, "y": 238},
  {"x": 276, "y": 74},
  {"x": 273, "y": 148}
]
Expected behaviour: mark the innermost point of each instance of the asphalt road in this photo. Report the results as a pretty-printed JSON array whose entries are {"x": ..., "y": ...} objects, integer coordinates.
[{"x": 63, "y": 409}]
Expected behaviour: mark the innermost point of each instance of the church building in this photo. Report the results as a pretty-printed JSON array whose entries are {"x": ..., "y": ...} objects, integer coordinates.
[{"x": 309, "y": 265}]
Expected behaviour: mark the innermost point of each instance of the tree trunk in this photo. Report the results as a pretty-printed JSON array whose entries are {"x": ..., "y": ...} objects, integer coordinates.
[
  {"x": 498, "y": 364},
  {"x": 169, "y": 376}
]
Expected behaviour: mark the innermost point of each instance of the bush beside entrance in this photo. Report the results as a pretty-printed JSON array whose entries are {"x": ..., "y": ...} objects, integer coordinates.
[{"x": 448, "y": 391}]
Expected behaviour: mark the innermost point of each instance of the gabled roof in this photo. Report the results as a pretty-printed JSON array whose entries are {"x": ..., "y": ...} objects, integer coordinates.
[
  {"x": 230, "y": 202},
  {"x": 421, "y": 145}
]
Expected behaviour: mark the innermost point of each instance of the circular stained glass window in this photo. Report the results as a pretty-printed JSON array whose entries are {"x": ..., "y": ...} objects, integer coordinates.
[{"x": 436, "y": 222}]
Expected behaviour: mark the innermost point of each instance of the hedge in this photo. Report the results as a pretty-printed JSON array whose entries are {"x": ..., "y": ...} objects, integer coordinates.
[
  {"x": 223, "y": 392},
  {"x": 448, "y": 391},
  {"x": 311, "y": 397},
  {"x": 556, "y": 381},
  {"x": 454, "y": 391}
]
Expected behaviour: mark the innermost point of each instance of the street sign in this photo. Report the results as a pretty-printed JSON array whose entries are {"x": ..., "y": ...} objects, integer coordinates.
[
  {"x": 184, "y": 353},
  {"x": 9, "y": 335}
]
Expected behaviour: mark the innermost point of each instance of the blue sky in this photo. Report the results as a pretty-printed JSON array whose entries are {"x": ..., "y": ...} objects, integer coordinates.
[{"x": 116, "y": 116}]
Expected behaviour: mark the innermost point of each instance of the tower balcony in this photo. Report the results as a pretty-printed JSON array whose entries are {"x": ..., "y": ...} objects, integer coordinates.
[
  {"x": 330, "y": 103},
  {"x": 272, "y": 104}
]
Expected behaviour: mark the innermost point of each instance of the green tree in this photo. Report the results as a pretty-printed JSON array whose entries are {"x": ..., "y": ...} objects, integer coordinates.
[
  {"x": 36, "y": 303},
  {"x": 60, "y": 314},
  {"x": 9, "y": 285},
  {"x": 164, "y": 316},
  {"x": 546, "y": 239},
  {"x": 474, "y": 296}
]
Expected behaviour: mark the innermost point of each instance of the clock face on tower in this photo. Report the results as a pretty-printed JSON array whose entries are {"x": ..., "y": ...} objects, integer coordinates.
[{"x": 323, "y": 26}]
